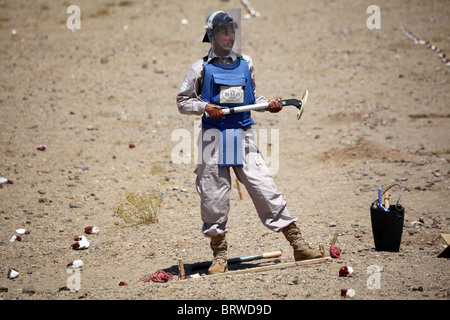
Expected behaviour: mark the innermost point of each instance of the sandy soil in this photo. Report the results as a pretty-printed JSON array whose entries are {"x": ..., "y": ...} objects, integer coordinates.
[{"x": 377, "y": 114}]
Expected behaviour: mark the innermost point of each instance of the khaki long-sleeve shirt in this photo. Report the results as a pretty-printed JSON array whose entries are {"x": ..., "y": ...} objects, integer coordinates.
[{"x": 189, "y": 99}]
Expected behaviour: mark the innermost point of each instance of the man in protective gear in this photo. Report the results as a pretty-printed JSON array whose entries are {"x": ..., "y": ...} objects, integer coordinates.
[{"x": 225, "y": 78}]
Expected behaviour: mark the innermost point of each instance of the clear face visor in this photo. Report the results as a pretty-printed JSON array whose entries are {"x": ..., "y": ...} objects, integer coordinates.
[
  {"x": 226, "y": 29},
  {"x": 226, "y": 36}
]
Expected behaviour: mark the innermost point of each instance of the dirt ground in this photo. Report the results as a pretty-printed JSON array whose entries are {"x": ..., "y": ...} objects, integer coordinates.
[{"x": 378, "y": 114}]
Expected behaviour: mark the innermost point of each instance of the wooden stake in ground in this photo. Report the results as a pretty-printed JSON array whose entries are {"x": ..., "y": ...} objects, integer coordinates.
[
  {"x": 333, "y": 242},
  {"x": 322, "y": 250},
  {"x": 181, "y": 274},
  {"x": 335, "y": 251},
  {"x": 239, "y": 188}
]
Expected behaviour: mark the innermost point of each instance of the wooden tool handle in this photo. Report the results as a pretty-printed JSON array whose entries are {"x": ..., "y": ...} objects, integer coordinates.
[
  {"x": 387, "y": 195},
  {"x": 273, "y": 254},
  {"x": 266, "y": 255}
]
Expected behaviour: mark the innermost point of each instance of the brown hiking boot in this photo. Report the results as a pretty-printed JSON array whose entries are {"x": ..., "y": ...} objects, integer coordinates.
[
  {"x": 301, "y": 250},
  {"x": 219, "y": 247}
]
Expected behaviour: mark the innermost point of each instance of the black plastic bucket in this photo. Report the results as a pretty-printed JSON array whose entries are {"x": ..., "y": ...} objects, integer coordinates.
[{"x": 387, "y": 226}]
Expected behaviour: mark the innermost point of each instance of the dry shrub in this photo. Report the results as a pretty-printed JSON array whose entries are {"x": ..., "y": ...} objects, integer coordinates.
[
  {"x": 125, "y": 3},
  {"x": 140, "y": 208}
]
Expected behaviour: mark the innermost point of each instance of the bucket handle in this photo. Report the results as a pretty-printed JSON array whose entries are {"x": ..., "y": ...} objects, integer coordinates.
[{"x": 399, "y": 196}]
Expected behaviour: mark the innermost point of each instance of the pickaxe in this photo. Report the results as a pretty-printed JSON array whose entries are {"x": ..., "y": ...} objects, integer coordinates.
[{"x": 300, "y": 104}]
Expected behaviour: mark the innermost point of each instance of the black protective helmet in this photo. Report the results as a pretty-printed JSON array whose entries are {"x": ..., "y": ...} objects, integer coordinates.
[{"x": 216, "y": 21}]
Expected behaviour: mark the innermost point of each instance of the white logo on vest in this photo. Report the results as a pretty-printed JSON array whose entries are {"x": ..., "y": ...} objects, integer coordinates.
[{"x": 230, "y": 94}]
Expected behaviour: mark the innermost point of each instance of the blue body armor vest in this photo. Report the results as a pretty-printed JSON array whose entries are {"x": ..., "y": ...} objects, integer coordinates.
[{"x": 228, "y": 85}]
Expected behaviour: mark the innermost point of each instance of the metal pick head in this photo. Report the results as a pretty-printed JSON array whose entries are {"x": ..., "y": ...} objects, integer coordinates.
[
  {"x": 302, "y": 105},
  {"x": 300, "y": 112}
]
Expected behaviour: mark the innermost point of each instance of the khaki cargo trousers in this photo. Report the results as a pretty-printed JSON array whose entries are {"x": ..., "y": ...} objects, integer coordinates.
[{"x": 214, "y": 186}]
